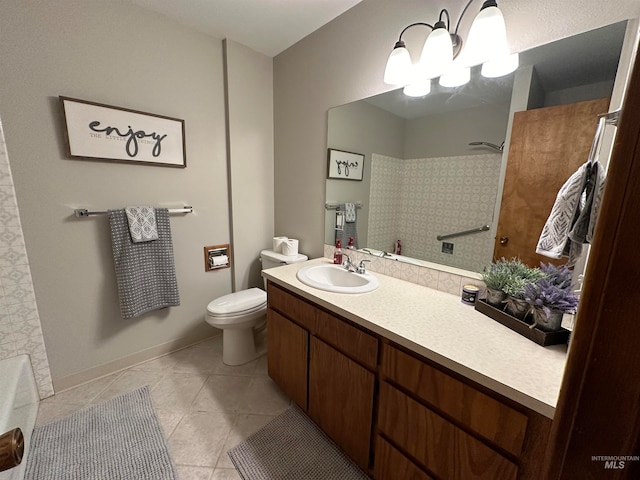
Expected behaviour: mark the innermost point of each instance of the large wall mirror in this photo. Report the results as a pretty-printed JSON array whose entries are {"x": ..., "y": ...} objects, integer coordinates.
[{"x": 435, "y": 165}]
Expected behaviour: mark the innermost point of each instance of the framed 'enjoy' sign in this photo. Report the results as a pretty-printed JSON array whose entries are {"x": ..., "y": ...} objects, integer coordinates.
[
  {"x": 345, "y": 165},
  {"x": 103, "y": 132}
]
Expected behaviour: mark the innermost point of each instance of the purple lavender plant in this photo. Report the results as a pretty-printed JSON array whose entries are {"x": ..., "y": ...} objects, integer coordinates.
[
  {"x": 547, "y": 296},
  {"x": 559, "y": 276}
]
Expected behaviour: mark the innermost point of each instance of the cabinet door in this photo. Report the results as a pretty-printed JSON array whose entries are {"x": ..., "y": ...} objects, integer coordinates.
[
  {"x": 287, "y": 356},
  {"x": 341, "y": 400}
]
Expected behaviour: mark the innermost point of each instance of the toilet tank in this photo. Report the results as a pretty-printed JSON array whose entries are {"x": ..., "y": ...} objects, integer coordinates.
[{"x": 271, "y": 259}]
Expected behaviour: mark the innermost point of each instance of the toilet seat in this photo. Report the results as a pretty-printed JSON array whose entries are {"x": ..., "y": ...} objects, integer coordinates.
[{"x": 238, "y": 303}]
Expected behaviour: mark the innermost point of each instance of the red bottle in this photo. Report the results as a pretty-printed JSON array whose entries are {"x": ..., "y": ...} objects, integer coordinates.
[
  {"x": 351, "y": 244},
  {"x": 398, "y": 248},
  {"x": 337, "y": 253}
]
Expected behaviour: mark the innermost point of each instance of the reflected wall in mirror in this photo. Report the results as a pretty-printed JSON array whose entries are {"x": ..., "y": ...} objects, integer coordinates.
[{"x": 424, "y": 179}]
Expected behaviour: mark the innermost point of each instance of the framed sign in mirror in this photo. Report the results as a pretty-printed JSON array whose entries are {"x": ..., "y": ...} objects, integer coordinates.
[
  {"x": 103, "y": 132},
  {"x": 345, "y": 165}
]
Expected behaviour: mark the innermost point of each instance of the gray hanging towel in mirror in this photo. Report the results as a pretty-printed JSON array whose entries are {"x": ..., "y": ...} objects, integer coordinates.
[
  {"x": 145, "y": 271},
  {"x": 349, "y": 228}
]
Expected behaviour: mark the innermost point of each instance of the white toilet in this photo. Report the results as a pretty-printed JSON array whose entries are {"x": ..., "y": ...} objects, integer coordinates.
[{"x": 242, "y": 315}]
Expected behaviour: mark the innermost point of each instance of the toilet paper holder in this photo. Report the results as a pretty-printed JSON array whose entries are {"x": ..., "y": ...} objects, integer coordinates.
[{"x": 217, "y": 257}]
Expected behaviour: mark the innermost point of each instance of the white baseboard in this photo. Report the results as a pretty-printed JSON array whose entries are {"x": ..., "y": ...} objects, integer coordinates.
[{"x": 122, "y": 363}]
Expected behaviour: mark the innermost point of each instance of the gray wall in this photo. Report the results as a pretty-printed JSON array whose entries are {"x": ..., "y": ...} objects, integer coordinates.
[
  {"x": 344, "y": 61},
  {"x": 448, "y": 134},
  {"x": 118, "y": 54},
  {"x": 361, "y": 128},
  {"x": 249, "y": 88}
]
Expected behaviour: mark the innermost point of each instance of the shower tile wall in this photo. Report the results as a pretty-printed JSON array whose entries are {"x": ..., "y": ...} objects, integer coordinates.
[
  {"x": 20, "y": 330},
  {"x": 384, "y": 201},
  {"x": 416, "y": 200}
]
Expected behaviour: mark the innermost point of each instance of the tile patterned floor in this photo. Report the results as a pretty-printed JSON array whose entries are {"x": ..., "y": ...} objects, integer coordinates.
[{"x": 204, "y": 406}]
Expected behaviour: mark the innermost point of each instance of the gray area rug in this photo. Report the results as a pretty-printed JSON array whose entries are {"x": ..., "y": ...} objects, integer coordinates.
[
  {"x": 115, "y": 440},
  {"x": 292, "y": 447}
]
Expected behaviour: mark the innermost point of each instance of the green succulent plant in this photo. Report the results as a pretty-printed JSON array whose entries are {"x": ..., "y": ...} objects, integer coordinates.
[
  {"x": 514, "y": 287},
  {"x": 510, "y": 276},
  {"x": 495, "y": 276}
]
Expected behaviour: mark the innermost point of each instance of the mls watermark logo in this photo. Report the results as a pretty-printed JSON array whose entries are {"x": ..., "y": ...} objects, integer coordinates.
[{"x": 615, "y": 462}]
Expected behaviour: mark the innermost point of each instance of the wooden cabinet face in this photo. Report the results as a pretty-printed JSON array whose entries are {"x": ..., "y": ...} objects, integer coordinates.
[
  {"x": 391, "y": 464},
  {"x": 341, "y": 400},
  {"x": 440, "y": 446},
  {"x": 480, "y": 413},
  {"x": 287, "y": 356},
  {"x": 427, "y": 420}
]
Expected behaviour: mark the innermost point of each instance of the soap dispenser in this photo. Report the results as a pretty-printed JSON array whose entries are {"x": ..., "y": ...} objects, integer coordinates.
[{"x": 337, "y": 253}]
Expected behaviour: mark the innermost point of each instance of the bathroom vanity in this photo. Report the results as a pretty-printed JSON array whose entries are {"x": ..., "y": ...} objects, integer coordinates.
[{"x": 410, "y": 382}]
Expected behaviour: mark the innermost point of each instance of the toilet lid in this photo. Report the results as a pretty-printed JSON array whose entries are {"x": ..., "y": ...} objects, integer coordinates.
[{"x": 238, "y": 302}]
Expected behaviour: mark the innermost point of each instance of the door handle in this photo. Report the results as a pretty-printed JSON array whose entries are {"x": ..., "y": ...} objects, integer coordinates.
[{"x": 504, "y": 240}]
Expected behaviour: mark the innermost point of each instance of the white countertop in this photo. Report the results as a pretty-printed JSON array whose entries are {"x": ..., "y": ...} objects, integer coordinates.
[{"x": 440, "y": 327}]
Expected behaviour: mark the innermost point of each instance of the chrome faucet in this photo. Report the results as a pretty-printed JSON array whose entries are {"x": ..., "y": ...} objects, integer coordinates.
[
  {"x": 348, "y": 264},
  {"x": 360, "y": 268}
]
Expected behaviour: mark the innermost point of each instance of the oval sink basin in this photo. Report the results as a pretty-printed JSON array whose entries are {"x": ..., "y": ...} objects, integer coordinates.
[{"x": 334, "y": 278}]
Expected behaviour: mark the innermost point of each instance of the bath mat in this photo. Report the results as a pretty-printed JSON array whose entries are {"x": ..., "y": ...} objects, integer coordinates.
[
  {"x": 292, "y": 447},
  {"x": 115, "y": 440}
]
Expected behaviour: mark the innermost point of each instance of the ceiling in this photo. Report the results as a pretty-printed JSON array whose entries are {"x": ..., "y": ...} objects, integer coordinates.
[{"x": 266, "y": 26}]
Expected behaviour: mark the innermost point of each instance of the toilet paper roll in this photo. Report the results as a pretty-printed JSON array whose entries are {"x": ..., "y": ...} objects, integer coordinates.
[
  {"x": 277, "y": 244},
  {"x": 220, "y": 260},
  {"x": 290, "y": 247}
]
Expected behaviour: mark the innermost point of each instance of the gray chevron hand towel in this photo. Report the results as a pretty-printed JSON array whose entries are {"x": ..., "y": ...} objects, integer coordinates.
[
  {"x": 145, "y": 271},
  {"x": 142, "y": 223},
  {"x": 554, "y": 240}
]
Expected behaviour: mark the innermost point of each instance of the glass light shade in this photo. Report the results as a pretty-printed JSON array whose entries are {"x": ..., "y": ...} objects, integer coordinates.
[
  {"x": 417, "y": 89},
  {"x": 437, "y": 54},
  {"x": 487, "y": 37},
  {"x": 500, "y": 66},
  {"x": 399, "y": 67},
  {"x": 456, "y": 77}
]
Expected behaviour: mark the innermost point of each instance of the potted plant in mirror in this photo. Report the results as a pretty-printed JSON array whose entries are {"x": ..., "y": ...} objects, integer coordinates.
[
  {"x": 494, "y": 277},
  {"x": 548, "y": 302}
]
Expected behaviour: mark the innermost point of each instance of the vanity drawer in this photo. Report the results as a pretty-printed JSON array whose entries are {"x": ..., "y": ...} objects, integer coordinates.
[
  {"x": 477, "y": 411},
  {"x": 444, "y": 449},
  {"x": 351, "y": 341},
  {"x": 391, "y": 464},
  {"x": 293, "y": 307}
]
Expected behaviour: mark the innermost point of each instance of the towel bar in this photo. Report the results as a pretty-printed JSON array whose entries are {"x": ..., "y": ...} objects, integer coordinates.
[
  {"x": 483, "y": 228},
  {"x": 334, "y": 205},
  {"x": 83, "y": 212}
]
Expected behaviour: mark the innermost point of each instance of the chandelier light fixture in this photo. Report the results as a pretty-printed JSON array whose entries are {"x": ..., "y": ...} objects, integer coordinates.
[{"x": 443, "y": 54}]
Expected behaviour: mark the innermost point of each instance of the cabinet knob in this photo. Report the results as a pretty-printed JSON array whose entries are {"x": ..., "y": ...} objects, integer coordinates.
[{"x": 504, "y": 240}]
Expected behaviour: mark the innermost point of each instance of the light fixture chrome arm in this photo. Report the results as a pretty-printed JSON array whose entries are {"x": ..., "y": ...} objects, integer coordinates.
[
  {"x": 488, "y": 3},
  {"x": 400, "y": 43}
]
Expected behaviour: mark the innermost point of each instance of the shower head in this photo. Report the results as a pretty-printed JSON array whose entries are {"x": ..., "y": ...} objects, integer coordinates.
[{"x": 490, "y": 145}]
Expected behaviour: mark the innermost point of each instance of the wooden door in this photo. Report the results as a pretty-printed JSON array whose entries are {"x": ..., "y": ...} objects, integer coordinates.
[
  {"x": 341, "y": 400},
  {"x": 287, "y": 356},
  {"x": 547, "y": 146}
]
